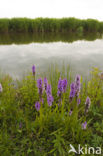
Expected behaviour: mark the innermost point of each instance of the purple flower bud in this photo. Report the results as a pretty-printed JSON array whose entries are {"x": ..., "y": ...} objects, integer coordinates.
[
  {"x": 45, "y": 83},
  {"x": 48, "y": 91},
  {"x": 49, "y": 95},
  {"x": 60, "y": 87},
  {"x": 37, "y": 106},
  {"x": 77, "y": 84},
  {"x": 50, "y": 100},
  {"x": 40, "y": 87},
  {"x": 78, "y": 102},
  {"x": 87, "y": 103},
  {"x": 84, "y": 125},
  {"x": 72, "y": 90},
  {"x": 33, "y": 70},
  {"x": 70, "y": 113},
  {"x": 1, "y": 89},
  {"x": 72, "y": 93},
  {"x": 64, "y": 83},
  {"x": 78, "y": 77},
  {"x": 72, "y": 86}
]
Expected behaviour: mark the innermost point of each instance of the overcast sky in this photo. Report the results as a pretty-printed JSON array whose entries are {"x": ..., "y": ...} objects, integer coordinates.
[{"x": 52, "y": 8}]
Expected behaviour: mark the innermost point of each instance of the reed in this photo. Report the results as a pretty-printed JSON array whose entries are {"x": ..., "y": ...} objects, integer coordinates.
[{"x": 50, "y": 25}]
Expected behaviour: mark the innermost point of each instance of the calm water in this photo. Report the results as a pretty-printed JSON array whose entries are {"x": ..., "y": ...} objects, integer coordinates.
[{"x": 82, "y": 55}]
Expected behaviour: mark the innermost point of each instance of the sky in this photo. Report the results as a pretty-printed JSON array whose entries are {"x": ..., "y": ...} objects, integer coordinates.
[{"x": 52, "y": 8}]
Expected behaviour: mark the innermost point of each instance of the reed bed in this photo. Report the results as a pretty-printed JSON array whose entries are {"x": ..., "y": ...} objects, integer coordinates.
[{"x": 50, "y": 25}]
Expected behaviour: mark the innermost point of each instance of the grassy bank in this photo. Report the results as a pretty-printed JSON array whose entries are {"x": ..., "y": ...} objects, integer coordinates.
[
  {"x": 50, "y": 25},
  {"x": 42, "y": 117}
]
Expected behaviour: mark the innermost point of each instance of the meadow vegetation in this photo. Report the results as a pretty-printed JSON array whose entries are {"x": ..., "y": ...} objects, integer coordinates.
[{"x": 43, "y": 115}]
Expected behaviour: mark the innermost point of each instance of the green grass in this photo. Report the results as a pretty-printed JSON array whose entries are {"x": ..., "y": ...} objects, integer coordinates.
[
  {"x": 24, "y": 131},
  {"x": 50, "y": 25}
]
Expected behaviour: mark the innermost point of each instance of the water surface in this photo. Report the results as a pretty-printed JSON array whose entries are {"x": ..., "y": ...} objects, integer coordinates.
[{"x": 82, "y": 55}]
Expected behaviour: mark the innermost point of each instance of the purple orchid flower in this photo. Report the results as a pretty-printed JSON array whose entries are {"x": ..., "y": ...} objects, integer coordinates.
[
  {"x": 48, "y": 91},
  {"x": 50, "y": 100},
  {"x": 72, "y": 91},
  {"x": 45, "y": 83},
  {"x": 37, "y": 106},
  {"x": 77, "y": 85},
  {"x": 40, "y": 87},
  {"x": 33, "y": 70},
  {"x": 70, "y": 112},
  {"x": 84, "y": 125},
  {"x": 87, "y": 103},
  {"x": 64, "y": 84}
]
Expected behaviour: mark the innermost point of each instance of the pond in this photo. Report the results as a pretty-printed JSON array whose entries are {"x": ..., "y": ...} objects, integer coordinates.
[{"x": 18, "y": 55}]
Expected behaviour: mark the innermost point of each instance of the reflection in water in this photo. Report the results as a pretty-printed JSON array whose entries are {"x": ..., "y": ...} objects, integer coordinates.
[
  {"x": 26, "y": 38},
  {"x": 81, "y": 55}
]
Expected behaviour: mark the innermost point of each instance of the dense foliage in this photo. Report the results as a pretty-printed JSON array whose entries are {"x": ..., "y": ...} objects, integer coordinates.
[
  {"x": 43, "y": 116},
  {"x": 50, "y": 25}
]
